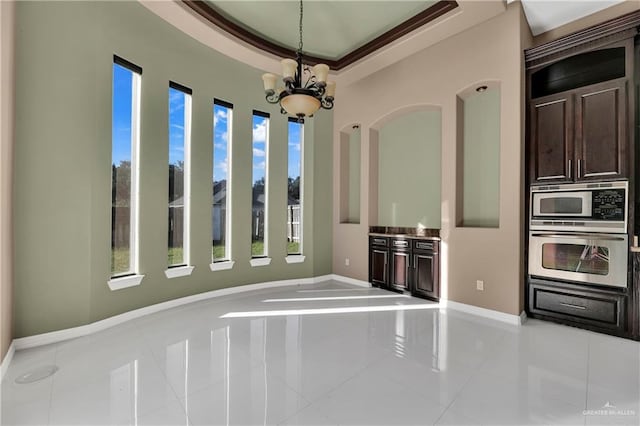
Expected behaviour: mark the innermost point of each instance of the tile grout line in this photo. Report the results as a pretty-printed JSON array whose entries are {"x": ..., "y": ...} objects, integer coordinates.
[
  {"x": 156, "y": 361},
  {"x": 586, "y": 392},
  {"x": 471, "y": 376},
  {"x": 53, "y": 378}
]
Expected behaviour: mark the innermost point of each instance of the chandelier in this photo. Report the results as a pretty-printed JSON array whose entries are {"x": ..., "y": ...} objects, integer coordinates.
[{"x": 306, "y": 89}]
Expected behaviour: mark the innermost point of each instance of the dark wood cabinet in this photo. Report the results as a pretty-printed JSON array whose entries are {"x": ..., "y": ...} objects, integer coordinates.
[
  {"x": 378, "y": 262},
  {"x": 426, "y": 278},
  {"x": 601, "y": 135},
  {"x": 551, "y": 140},
  {"x": 400, "y": 261},
  {"x": 599, "y": 310},
  {"x": 408, "y": 265},
  {"x": 579, "y": 134},
  {"x": 583, "y": 124}
]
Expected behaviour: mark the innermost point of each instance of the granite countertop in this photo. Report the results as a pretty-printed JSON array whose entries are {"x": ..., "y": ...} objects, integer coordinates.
[{"x": 400, "y": 232}]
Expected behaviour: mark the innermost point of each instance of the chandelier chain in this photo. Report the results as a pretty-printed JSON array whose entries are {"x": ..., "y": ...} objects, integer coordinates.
[{"x": 300, "y": 44}]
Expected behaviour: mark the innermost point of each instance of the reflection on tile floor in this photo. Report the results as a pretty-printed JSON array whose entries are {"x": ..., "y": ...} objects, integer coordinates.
[{"x": 328, "y": 354}]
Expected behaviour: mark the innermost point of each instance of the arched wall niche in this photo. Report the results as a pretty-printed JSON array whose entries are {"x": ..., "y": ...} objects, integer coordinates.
[{"x": 405, "y": 168}]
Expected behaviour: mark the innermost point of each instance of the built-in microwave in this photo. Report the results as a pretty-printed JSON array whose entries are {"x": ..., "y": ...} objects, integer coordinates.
[{"x": 590, "y": 207}]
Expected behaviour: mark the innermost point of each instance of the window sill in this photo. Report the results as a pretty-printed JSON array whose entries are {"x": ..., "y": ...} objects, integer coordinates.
[
  {"x": 124, "y": 282},
  {"x": 260, "y": 261},
  {"x": 295, "y": 258},
  {"x": 180, "y": 271},
  {"x": 222, "y": 266}
]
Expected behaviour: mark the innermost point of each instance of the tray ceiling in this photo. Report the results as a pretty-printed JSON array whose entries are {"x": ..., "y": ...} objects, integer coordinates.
[{"x": 336, "y": 32}]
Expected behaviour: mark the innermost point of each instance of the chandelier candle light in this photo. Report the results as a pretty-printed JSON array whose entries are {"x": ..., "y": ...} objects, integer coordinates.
[{"x": 306, "y": 89}]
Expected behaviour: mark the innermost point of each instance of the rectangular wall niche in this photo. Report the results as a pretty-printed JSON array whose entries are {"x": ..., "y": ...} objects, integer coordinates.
[
  {"x": 478, "y": 160},
  {"x": 350, "y": 176}
]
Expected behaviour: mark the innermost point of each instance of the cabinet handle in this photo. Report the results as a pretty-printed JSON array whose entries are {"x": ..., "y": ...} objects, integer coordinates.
[
  {"x": 579, "y": 169},
  {"x": 569, "y": 305},
  {"x": 570, "y": 170}
]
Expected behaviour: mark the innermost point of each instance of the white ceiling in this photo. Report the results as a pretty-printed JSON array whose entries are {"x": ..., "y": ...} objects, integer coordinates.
[
  {"x": 331, "y": 28},
  {"x": 545, "y": 15}
]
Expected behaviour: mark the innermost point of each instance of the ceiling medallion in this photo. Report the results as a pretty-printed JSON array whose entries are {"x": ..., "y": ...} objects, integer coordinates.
[{"x": 306, "y": 89}]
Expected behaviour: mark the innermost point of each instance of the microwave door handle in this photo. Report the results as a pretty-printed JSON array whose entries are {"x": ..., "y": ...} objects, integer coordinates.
[
  {"x": 580, "y": 236},
  {"x": 570, "y": 170}
]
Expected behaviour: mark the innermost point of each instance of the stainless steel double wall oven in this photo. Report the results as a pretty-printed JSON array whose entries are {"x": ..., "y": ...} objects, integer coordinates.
[{"x": 578, "y": 233}]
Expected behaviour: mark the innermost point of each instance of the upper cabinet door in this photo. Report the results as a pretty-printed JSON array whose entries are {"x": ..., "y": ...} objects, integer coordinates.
[
  {"x": 601, "y": 131},
  {"x": 551, "y": 141}
]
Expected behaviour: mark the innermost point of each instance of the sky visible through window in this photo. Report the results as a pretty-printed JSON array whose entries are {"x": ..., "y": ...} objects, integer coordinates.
[
  {"x": 295, "y": 139},
  {"x": 220, "y": 139},
  {"x": 176, "y": 126},
  {"x": 121, "y": 123},
  {"x": 259, "y": 147}
]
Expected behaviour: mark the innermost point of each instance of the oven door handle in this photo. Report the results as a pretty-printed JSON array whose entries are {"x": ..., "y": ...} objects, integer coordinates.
[{"x": 603, "y": 237}]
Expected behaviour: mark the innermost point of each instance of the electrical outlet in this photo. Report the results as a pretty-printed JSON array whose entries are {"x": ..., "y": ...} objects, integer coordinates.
[
  {"x": 346, "y": 261},
  {"x": 480, "y": 285}
]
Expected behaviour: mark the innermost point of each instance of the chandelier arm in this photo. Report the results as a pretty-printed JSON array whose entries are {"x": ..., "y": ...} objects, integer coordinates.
[
  {"x": 272, "y": 97},
  {"x": 327, "y": 103}
]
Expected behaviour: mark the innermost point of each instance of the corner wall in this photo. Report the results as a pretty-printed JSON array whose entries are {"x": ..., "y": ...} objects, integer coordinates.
[
  {"x": 491, "y": 51},
  {"x": 63, "y": 164},
  {"x": 7, "y": 134}
]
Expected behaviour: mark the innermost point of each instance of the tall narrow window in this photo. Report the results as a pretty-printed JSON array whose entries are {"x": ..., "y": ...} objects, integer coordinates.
[
  {"x": 294, "y": 199},
  {"x": 179, "y": 176},
  {"x": 125, "y": 137},
  {"x": 222, "y": 125},
  {"x": 259, "y": 180}
]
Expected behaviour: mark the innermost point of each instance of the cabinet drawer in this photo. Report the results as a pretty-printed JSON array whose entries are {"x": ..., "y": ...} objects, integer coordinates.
[
  {"x": 425, "y": 245},
  {"x": 379, "y": 241},
  {"x": 400, "y": 244},
  {"x": 594, "y": 309}
]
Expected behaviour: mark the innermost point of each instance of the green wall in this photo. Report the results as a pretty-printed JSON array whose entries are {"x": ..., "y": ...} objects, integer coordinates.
[
  {"x": 481, "y": 168},
  {"x": 409, "y": 170},
  {"x": 63, "y": 164}
]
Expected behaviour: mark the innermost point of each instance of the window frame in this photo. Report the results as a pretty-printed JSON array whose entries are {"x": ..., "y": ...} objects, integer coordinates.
[
  {"x": 184, "y": 268},
  {"x": 132, "y": 276},
  {"x": 226, "y": 262},
  {"x": 263, "y": 259},
  {"x": 295, "y": 257}
]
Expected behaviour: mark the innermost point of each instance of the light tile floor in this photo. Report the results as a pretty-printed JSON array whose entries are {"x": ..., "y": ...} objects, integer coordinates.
[{"x": 347, "y": 356}]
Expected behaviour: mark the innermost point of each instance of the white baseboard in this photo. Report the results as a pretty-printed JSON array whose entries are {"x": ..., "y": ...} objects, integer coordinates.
[
  {"x": 523, "y": 317},
  {"x": 483, "y": 312},
  {"x": 71, "y": 333},
  {"x": 83, "y": 330},
  {"x": 348, "y": 280},
  {"x": 7, "y": 360}
]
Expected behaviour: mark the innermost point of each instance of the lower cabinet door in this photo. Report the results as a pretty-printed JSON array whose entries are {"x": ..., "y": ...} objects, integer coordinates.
[
  {"x": 400, "y": 270},
  {"x": 426, "y": 275},
  {"x": 379, "y": 264}
]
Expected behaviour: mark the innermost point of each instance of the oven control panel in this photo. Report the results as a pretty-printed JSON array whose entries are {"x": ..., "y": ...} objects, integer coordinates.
[{"x": 608, "y": 204}]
